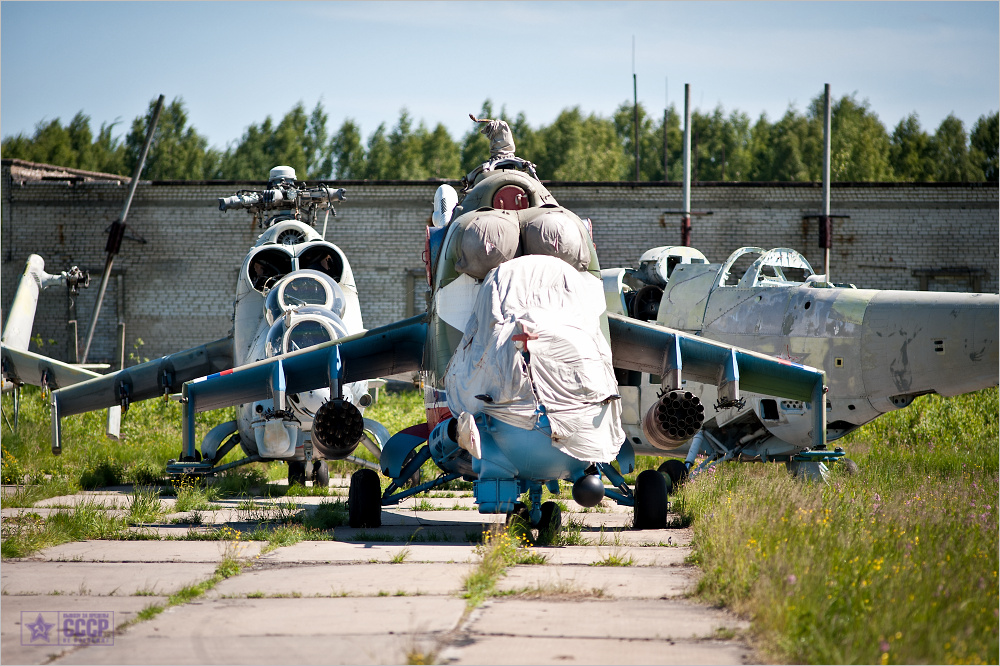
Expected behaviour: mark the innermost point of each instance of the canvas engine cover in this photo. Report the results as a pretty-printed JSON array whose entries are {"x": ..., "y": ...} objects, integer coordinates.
[{"x": 555, "y": 311}]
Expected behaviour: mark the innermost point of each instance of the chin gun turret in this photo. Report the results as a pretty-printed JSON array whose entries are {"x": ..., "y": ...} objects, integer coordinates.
[
  {"x": 337, "y": 428},
  {"x": 673, "y": 420}
]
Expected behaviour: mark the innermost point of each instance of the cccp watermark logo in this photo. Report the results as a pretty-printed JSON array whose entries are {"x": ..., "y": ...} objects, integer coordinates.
[{"x": 67, "y": 628}]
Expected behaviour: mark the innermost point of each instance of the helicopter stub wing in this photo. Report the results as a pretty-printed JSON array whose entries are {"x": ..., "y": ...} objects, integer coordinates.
[
  {"x": 146, "y": 380},
  {"x": 676, "y": 356},
  {"x": 375, "y": 353},
  {"x": 379, "y": 352}
]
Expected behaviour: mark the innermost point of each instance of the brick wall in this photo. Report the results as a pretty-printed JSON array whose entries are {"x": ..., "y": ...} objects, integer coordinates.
[{"x": 176, "y": 290}]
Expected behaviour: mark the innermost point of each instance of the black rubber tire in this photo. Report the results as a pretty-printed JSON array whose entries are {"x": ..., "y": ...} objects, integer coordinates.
[
  {"x": 650, "y": 501},
  {"x": 550, "y": 524},
  {"x": 320, "y": 474},
  {"x": 364, "y": 500},
  {"x": 676, "y": 470},
  {"x": 296, "y": 472},
  {"x": 520, "y": 513},
  {"x": 847, "y": 466}
]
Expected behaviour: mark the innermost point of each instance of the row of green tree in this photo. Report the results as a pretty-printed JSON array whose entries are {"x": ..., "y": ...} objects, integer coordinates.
[{"x": 574, "y": 147}]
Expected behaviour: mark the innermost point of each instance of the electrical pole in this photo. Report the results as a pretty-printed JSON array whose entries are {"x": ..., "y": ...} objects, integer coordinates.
[
  {"x": 686, "y": 214},
  {"x": 635, "y": 111},
  {"x": 825, "y": 225},
  {"x": 666, "y": 149}
]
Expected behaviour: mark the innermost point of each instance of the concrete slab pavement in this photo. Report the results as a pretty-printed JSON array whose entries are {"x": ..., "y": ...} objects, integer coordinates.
[
  {"x": 100, "y": 578},
  {"x": 594, "y": 650},
  {"x": 141, "y": 551},
  {"x": 281, "y": 631},
  {"x": 338, "y": 552},
  {"x": 620, "y": 582},
  {"x": 357, "y": 580},
  {"x": 270, "y": 612},
  {"x": 515, "y": 631},
  {"x": 20, "y": 646}
]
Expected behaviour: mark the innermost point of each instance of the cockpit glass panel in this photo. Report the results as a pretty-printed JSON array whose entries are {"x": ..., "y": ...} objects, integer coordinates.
[
  {"x": 304, "y": 290},
  {"x": 306, "y": 334}
]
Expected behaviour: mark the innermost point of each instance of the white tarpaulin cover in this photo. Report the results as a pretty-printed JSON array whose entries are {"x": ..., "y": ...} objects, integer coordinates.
[{"x": 556, "y": 310}]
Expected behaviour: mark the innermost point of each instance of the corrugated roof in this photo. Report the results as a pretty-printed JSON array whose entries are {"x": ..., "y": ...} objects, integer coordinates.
[{"x": 23, "y": 170}]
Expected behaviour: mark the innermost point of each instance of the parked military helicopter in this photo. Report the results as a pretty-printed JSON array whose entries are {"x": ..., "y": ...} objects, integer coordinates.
[
  {"x": 880, "y": 348},
  {"x": 294, "y": 290},
  {"x": 20, "y": 366},
  {"x": 519, "y": 355}
]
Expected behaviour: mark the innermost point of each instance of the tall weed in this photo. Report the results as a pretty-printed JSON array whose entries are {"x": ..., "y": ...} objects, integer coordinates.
[{"x": 895, "y": 564}]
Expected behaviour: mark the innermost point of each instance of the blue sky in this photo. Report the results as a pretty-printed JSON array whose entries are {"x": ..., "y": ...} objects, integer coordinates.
[{"x": 234, "y": 63}]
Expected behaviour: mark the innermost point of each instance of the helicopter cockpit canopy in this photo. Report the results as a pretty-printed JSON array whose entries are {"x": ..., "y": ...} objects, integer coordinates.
[
  {"x": 304, "y": 289},
  {"x": 302, "y": 328}
]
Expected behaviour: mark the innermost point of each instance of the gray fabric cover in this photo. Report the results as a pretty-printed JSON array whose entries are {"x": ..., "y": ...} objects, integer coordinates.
[
  {"x": 556, "y": 234},
  {"x": 490, "y": 238},
  {"x": 501, "y": 138}
]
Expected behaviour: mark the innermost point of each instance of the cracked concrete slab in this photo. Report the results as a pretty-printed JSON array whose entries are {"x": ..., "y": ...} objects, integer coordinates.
[
  {"x": 628, "y": 582},
  {"x": 108, "y": 500},
  {"x": 145, "y": 551},
  {"x": 641, "y": 619},
  {"x": 100, "y": 578},
  {"x": 633, "y": 631},
  {"x": 373, "y": 580},
  {"x": 591, "y": 554},
  {"x": 314, "y": 552},
  {"x": 595, "y": 650},
  {"x": 16, "y": 642},
  {"x": 281, "y": 631}
]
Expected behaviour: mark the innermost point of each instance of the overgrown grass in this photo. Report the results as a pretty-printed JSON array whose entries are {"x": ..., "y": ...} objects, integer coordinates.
[
  {"x": 150, "y": 436},
  {"x": 28, "y": 532},
  {"x": 896, "y": 564},
  {"x": 500, "y": 548}
]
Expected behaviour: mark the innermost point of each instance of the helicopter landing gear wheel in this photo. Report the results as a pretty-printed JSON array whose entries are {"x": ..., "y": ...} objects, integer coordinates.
[
  {"x": 320, "y": 474},
  {"x": 550, "y": 523},
  {"x": 520, "y": 513},
  {"x": 364, "y": 499},
  {"x": 650, "y": 501},
  {"x": 848, "y": 466},
  {"x": 676, "y": 470},
  {"x": 296, "y": 472}
]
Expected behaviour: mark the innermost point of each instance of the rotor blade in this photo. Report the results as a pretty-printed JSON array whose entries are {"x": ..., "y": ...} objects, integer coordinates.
[
  {"x": 118, "y": 228},
  {"x": 30, "y": 368}
]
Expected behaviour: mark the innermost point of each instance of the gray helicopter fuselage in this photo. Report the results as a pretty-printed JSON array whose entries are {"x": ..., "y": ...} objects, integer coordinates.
[{"x": 880, "y": 349}]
